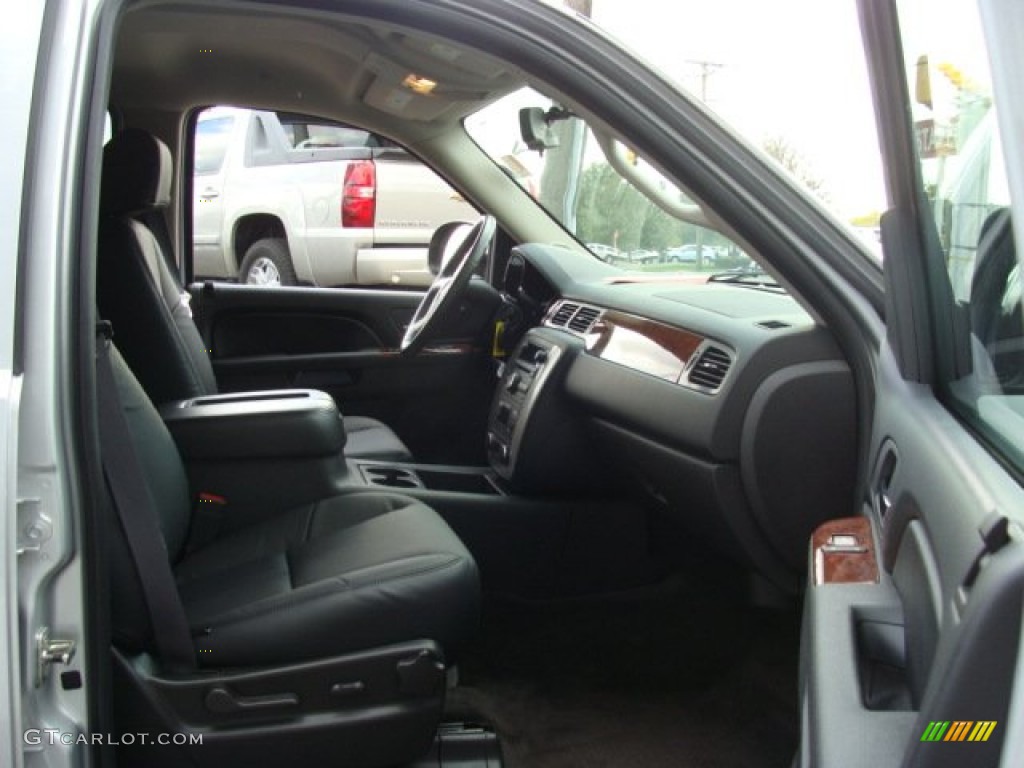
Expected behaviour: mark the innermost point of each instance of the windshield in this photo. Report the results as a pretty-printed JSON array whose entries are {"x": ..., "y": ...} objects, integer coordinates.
[
  {"x": 574, "y": 180},
  {"x": 800, "y": 97}
]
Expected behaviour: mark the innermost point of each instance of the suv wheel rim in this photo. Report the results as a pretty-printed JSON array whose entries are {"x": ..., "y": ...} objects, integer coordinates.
[{"x": 263, "y": 272}]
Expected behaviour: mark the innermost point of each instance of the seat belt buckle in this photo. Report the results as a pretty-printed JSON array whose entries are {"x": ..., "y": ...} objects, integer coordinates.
[{"x": 207, "y": 518}]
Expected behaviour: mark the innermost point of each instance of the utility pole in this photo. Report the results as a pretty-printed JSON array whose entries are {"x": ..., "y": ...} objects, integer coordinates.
[{"x": 707, "y": 69}]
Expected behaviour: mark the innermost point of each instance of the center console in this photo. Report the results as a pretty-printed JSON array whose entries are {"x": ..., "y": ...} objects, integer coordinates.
[
  {"x": 255, "y": 453},
  {"x": 429, "y": 477},
  {"x": 250, "y": 455}
]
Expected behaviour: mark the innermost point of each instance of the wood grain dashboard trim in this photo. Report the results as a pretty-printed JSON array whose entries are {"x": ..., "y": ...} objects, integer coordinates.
[
  {"x": 844, "y": 552},
  {"x": 644, "y": 345}
]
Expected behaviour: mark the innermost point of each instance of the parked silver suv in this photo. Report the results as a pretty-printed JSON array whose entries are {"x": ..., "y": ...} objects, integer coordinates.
[{"x": 283, "y": 199}]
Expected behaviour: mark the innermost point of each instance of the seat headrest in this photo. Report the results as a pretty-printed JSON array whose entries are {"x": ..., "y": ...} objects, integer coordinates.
[{"x": 136, "y": 174}]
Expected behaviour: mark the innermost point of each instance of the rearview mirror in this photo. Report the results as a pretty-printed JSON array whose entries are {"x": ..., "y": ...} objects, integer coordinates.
[
  {"x": 535, "y": 126},
  {"x": 536, "y": 130}
]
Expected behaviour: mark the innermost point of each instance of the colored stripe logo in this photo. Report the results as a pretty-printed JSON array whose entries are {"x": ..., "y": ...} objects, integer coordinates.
[{"x": 959, "y": 730}]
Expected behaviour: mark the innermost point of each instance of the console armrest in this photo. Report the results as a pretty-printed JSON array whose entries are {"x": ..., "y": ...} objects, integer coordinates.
[{"x": 274, "y": 424}]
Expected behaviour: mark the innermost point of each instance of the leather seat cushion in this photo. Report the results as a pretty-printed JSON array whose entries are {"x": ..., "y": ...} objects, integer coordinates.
[
  {"x": 345, "y": 574},
  {"x": 371, "y": 439}
]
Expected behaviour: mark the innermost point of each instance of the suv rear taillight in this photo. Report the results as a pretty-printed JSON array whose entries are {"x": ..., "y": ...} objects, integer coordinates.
[{"x": 359, "y": 195}]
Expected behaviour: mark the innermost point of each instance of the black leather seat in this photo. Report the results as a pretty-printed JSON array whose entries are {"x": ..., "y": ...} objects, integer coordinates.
[
  {"x": 143, "y": 299},
  {"x": 346, "y": 574},
  {"x": 995, "y": 260}
]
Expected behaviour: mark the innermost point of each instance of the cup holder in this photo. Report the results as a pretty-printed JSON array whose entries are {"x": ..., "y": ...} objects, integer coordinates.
[{"x": 391, "y": 477}]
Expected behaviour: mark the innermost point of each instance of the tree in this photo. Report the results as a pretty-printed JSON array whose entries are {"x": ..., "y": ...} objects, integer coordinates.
[
  {"x": 611, "y": 211},
  {"x": 660, "y": 230},
  {"x": 790, "y": 158}
]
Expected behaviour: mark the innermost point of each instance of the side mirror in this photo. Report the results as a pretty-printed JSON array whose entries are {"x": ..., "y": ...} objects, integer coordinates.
[{"x": 443, "y": 244}]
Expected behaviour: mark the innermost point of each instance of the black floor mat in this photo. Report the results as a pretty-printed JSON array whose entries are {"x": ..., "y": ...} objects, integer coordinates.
[{"x": 685, "y": 674}]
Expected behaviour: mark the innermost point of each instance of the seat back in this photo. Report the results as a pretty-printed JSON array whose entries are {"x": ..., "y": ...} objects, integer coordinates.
[
  {"x": 994, "y": 261},
  {"x": 137, "y": 290}
]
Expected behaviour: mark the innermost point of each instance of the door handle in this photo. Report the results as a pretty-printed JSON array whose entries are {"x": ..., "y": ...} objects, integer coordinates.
[
  {"x": 209, "y": 194},
  {"x": 886, "y": 473}
]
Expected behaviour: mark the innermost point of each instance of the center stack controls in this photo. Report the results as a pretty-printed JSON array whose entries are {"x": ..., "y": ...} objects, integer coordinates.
[
  {"x": 521, "y": 382},
  {"x": 536, "y": 438}
]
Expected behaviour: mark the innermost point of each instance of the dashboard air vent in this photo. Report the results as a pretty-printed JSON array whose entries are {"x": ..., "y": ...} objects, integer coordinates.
[
  {"x": 709, "y": 370},
  {"x": 563, "y": 314},
  {"x": 584, "y": 319}
]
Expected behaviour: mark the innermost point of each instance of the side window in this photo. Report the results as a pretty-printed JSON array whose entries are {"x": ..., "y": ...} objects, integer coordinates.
[
  {"x": 309, "y": 201},
  {"x": 965, "y": 187}
]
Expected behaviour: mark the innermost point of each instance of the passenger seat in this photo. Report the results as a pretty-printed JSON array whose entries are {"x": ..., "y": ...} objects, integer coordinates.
[
  {"x": 343, "y": 574},
  {"x": 320, "y": 635}
]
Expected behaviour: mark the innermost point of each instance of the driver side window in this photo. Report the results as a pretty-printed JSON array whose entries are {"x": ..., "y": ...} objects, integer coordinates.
[{"x": 282, "y": 199}]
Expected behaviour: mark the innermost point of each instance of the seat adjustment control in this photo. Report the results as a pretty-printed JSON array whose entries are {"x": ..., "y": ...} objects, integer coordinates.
[
  {"x": 421, "y": 675},
  {"x": 348, "y": 690},
  {"x": 224, "y": 702}
]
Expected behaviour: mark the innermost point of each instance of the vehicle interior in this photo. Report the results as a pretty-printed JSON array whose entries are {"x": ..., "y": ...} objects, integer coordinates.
[{"x": 550, "y": 512}]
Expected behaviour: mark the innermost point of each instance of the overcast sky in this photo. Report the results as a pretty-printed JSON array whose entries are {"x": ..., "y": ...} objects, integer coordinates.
[{"x": 789, "y": 68}]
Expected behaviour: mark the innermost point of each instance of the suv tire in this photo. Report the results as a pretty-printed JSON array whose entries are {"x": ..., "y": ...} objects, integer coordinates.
[{"x": 267, "y": 262}]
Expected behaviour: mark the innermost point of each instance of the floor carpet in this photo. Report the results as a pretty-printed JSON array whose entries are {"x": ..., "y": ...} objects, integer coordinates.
[{"x": 684, "y": 674}]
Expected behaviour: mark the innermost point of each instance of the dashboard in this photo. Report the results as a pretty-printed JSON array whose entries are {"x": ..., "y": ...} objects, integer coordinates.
[{"x": 728, "y": 408}]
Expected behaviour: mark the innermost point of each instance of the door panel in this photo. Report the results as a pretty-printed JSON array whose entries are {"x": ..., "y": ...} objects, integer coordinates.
[
  {"x": 918, "y": 668},
  {"x": 926, "y": 644},
  {"x": 345, "y": 342}
]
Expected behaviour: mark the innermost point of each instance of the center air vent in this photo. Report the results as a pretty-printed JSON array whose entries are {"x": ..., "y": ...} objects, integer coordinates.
[
  {"x": 709, "y": 369},
  {"x": 584, "y": 319},
  {"x": 578, "y": 318},
  {"x": 563, "y": 314}
]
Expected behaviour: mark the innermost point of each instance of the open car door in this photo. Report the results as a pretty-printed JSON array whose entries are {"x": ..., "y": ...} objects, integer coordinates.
[{"x": 912, "y": 643}]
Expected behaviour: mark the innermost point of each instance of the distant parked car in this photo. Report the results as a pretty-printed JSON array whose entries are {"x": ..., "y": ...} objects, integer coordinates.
[
  {"x": 682, "y": 254},
  {"x": 643, "y": 256},
  {"x": 687, "y": 254},
  {"x": 605, "y": 252}
]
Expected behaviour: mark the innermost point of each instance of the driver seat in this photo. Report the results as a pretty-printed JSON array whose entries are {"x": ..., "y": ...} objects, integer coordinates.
[{"x": 144, "y": 301}]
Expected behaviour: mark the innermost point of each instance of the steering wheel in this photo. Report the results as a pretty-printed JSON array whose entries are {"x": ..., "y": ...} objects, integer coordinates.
[{"x": 450, "y": 282}]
